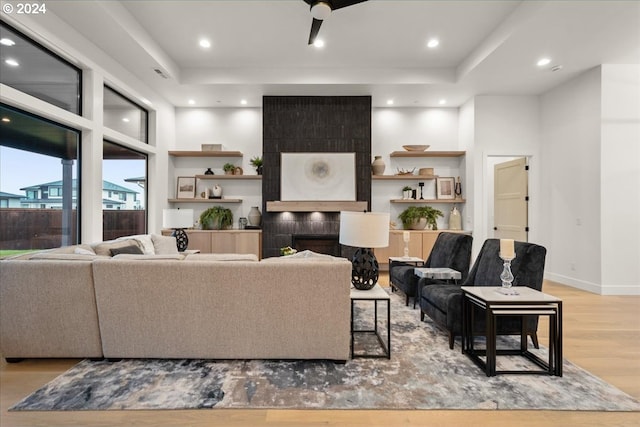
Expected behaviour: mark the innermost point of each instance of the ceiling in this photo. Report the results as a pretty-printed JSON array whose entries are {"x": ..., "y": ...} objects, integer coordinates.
[{"x": 373, "y": 48}]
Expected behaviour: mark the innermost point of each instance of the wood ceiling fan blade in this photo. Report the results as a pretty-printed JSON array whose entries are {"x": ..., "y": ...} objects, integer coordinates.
[{"x": 315, "y": 29}]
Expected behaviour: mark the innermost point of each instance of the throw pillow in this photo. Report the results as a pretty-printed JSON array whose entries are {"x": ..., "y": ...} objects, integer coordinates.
[
  {"x": 144, "y": 241},
  {"x": 131, "y": 249},
  {"x": 164, "y": 244},
  {"x": 82, "y": 251},
  {"x": 104, "y": 248}
]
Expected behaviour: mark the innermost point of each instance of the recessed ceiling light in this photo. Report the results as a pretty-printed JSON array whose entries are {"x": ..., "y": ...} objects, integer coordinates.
[
  {"x": 544, "y": 61},
  {"x": 191, "y": 102},
  {"x": 6, "y": 119},
  {"x": 389, "y": 101},
  {"x": 433, "y": 43},
  {"x": 125, "y": 119},
  {"x": 243, "y": 101},
  {"x": 204, "y": 43},
  {"x": 319, "y": 43},
  {"x": 442, "y": 102},
  {"x": 7, "y": 42},
  {"x": 11, "y": 62}
]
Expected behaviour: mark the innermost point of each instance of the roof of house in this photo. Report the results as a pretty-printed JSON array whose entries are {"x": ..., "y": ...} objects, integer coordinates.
[
  {"x": 106, "y": 185},
  {"x": 4, "y": 195}
]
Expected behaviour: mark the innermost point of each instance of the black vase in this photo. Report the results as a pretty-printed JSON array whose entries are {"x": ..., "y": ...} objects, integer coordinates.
[
  {"x": 209, "y": 172},
  {"x": 259, "y": 170}
]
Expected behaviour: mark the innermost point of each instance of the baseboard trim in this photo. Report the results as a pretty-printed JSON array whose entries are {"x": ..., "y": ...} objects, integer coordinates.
[{"x": 593, "y": 287}]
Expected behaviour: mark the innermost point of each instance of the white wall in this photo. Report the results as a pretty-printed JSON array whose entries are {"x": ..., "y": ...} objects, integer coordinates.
[
  {"x": 571, "y": 184},
  {"x": 504, "y": 126},
  {"x": 237, "y": 129},
  {"x": 466, "y": 138},
  {"x": 620, "y": 180}
]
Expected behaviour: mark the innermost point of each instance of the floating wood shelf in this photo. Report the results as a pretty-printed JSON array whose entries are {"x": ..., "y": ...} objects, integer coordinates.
[
  {"x": 428, "y": 153},
  {"x": 315, "y": 206},
  {"x": 205, "y": 153},
  {"x": 229, "y": 176},
  {"x": 423, "y": 201},
  {"x": 402, "y": 177},
  {"x": 205, "y": 200}
]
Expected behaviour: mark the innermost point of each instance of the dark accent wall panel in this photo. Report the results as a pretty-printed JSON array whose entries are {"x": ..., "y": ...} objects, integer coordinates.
[{"x": 299, "y": 124}]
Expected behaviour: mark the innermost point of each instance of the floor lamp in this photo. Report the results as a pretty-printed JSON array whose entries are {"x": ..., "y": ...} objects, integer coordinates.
[
  {"x": 178, "y": 220},
  {"x": 365, "y": 231}
]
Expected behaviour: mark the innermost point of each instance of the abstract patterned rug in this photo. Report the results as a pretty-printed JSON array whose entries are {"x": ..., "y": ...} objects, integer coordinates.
[{"x": 422, "y": 374}]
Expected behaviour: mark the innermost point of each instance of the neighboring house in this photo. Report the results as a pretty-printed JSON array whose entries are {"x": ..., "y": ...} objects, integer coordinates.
[
  {"x": 8, "y": 200},
  {"x": 49, "y": 196}
]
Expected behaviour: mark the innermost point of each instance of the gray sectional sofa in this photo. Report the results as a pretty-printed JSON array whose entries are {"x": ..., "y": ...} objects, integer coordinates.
[{"x": 73, "y": 303}]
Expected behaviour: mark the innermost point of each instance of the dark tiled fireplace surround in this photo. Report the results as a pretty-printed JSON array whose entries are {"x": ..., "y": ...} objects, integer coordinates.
[{"x": 334, "y": 124}]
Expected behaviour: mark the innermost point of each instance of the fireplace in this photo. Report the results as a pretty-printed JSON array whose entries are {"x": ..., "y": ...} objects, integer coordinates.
[{"x": 320, "y": 243}]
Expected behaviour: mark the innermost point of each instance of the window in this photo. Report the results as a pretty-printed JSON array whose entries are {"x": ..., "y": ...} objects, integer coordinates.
[
  {"x": 125, "y": 116},
  {"x": 32, "y": 69},
  {"x": 124, "y": 177},
  {"x": 38, "y": 158}
]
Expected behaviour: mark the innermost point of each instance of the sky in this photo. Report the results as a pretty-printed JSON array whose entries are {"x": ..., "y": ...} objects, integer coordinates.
[{"x": 19, "y": 169}]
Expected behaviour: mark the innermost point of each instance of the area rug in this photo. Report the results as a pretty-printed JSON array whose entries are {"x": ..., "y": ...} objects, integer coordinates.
[{"x": 422, "y": 374}]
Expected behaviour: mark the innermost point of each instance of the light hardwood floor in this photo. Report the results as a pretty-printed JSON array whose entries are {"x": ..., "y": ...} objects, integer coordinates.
[{"x": 601, "y": 334}]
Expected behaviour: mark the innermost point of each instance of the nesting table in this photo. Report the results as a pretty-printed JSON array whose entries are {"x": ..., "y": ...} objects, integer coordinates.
[
  {"x": 375, "y": 294},
  {"x": 528, "y": 302}
]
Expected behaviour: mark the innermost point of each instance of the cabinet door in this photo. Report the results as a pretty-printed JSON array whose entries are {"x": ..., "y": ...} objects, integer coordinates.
[
  {"x": 199, "y": 240},
  {"x": 396, "y": 247},
  {"x": 428, "y": 240},
  {"x": 223, "y": 242},
  {"x": 248, "y": 243}
]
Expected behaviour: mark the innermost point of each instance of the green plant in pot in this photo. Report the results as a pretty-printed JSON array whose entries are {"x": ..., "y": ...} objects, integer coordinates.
[
  {"x": 216, "y": 218},
  {"x": 229, "y": 168},
  {"x": 407, "y": 192},
  {"x": 256, "y": 162},
  {"x": 418, "y": 217}
]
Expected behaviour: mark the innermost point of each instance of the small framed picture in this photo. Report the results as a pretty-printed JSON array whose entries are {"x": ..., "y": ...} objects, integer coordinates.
[
  {"x": 186, "y": 187},
  {"x": 445, "y": 188}
]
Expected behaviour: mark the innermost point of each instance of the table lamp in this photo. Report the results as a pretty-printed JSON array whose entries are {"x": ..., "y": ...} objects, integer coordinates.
[
  {"x": 364, "y": 230},
  {"x": 178, "y": 220}
]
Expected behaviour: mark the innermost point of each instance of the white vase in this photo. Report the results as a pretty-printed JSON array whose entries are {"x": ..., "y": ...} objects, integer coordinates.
[
  {"x": 217, "y": 191},
  {"x": 254, "y": 217},
  {"x": 378, "y": 165},
  {"x": 455, "y": 219}
]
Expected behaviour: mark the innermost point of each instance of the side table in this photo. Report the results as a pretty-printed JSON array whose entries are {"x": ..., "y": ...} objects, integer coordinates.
[
  {"x": 527, "y": 303},
  {"x": 374, "y": 294}
]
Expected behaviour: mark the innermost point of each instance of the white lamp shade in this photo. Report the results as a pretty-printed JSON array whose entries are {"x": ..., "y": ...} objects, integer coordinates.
[
  {"x": 321, "y": 10},
  {"x": 364, "y": 229},
  {"x": 177, "y": 218}
]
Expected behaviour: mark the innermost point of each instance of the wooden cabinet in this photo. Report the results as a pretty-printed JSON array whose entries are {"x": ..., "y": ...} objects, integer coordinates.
[
  {"x": 225, "y": 241},
  {"x": 420, "y": 244}
]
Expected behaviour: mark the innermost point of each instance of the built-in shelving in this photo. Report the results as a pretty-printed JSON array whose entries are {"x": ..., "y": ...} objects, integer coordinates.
[
  {"x": 423, "y": 201},
  {"x": 205, "y": 153},
  {"x": 427, "y": 154},
  {"x": 229, "y": 176},
  {"x": 402, "y": 177},
  {"x": 205, "y": 200}
]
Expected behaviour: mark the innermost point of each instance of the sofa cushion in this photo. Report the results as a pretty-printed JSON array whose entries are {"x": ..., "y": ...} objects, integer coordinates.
[
  {"x": 307, "y": 256},
  {"x": 154, "y": 257},
  {"x": 130, "y": 249},
  {"x": 84, "y": 251},
  {"x": 64, "y": 256},
  {"x": 222, "y": 257},
  {"x": 145, "y": 242},
  {"x": 164, "y": 244},
  {"x": 104, "y": 248}
]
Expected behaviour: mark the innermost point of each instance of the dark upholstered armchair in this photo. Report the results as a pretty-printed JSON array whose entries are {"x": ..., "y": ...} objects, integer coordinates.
[
  {"x": 443, "y": 303},
  {"x": 450, "y": 250}
]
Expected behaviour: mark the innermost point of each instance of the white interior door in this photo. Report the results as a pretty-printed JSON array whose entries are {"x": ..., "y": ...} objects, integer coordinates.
[{"x": 510, "y": 200}]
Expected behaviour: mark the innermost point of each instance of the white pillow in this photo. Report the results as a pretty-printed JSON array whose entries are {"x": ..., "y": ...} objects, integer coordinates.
[
  {"x": 164, "y": 244},
  {"x": 83, "y": 251},
  {"x": 145, "y": 242}
]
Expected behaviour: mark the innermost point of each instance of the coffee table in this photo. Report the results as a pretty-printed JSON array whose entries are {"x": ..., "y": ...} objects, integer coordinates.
[
  {"x": 438, "y": 273},
  {"x": 528, "y": 302},
  {"x": 374, "y": 294}
]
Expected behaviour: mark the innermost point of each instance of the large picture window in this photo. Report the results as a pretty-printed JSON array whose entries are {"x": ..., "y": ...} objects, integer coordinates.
[
  {"x": 32, "y": 69},
  {"x": 124, "y": 196},
  {"x": 124, "y": 116},
  {"x": 39, "y": 170}
]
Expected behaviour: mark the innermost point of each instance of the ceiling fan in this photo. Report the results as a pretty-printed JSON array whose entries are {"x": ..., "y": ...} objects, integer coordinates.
[{"x": 321, "y": 9}]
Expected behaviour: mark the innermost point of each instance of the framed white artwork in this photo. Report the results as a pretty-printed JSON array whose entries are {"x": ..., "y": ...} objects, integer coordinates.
[{"x": 318, "y": 176}]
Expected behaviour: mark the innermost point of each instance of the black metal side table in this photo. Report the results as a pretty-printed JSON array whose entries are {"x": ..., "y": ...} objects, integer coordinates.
[{"x": 375, "y": 294}]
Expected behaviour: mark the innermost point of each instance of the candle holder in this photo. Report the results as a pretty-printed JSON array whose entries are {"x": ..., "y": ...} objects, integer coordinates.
[
  {"x": 421, "y": 185},
  {"x": 507, "y": 277},
  {"x": 406, "y": 237}
]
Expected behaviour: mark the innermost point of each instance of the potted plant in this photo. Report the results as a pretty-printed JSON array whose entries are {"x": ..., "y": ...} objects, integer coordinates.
[
  {"x": 216, "y": 218},
  {"x": 256, "y": 162},
  {"x": 229, "y": 168},
  {"x": 418, "y": 217},
  {"x": 406, "y": 192}
]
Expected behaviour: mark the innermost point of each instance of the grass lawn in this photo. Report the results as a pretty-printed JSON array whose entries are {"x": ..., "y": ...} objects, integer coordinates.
[{"x": 11, "y": 252}]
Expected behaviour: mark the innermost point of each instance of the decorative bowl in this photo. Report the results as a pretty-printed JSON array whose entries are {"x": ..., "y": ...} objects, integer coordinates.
[{"x": 415, "y": 147}]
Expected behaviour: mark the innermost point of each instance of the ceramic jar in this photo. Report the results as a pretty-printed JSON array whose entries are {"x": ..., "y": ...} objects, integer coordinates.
[
  {"x": 455, "y": 219},
  {"x": 254, "y": 217},
  {"x": 378, "y": 165},
  {"x": 217, "y": 191}
]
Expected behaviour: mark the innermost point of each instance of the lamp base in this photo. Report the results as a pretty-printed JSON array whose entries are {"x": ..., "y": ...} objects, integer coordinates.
[
  {"x": 182, "y": 240},
  {"x": 365, "y": 271}
]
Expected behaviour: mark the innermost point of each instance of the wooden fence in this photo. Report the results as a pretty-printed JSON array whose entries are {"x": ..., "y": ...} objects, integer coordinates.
[{"x": 42, "y": 228}]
